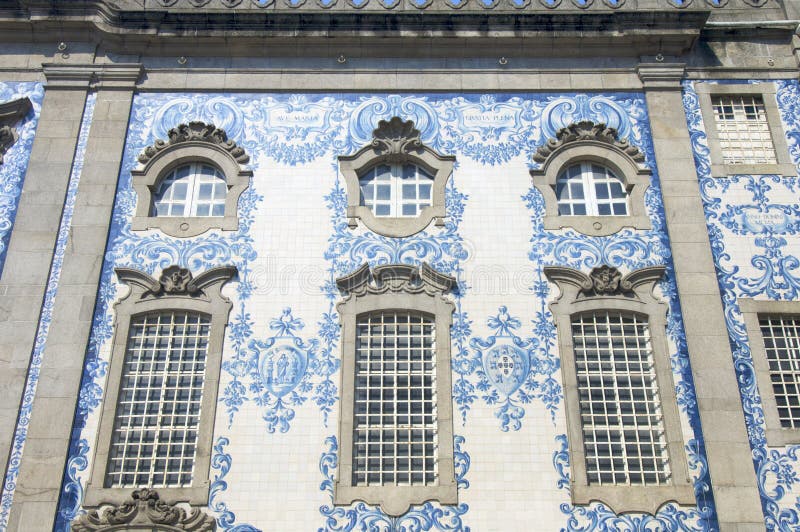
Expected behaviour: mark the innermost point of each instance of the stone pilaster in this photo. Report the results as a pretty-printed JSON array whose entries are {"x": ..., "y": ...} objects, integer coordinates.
[
  {"x": 33, "y": 238},
  {"x": 45, "y": 452},
  {"x": 729, "y": 457}
]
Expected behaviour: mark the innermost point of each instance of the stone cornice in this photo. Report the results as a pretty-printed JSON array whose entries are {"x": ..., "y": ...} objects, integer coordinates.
[{"x": 81, "y": 76}]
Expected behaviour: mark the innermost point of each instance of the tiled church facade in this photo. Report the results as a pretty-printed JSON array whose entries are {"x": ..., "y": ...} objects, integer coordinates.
[{"x": 101, "y": 99}]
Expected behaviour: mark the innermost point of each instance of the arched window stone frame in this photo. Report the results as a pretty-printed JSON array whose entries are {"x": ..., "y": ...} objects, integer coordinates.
[
  {"x": 187, "y": 143},
  {"x": 396, "y": 142},
  {"x": 10, "y": 114},
  {"x": 406, "y": 288},
  {"x": 175, "y": 289},
  {"x": 589, "y": 142},
  {"x": 606, "y": 289}
]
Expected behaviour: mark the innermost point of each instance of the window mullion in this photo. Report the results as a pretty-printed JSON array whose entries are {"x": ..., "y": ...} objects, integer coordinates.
[{"x": 588, "y": 189}]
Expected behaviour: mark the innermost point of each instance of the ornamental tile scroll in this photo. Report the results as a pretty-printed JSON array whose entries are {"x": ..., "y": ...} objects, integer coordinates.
[{"x": 145, "y": 511}]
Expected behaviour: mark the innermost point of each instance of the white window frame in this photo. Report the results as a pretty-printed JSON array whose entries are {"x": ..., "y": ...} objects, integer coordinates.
[
  {"x": 588, "y": 182},
  {"x": 176, "y": 290},
  {"x": 752, "y": 310},
  {"x": 767, "y": 91},
  {"x": 194, "y": 182},
  {"x": 408, "y": 289},
  {"x": 606, "y": 289},
  {"x": 396, "y": 182}
]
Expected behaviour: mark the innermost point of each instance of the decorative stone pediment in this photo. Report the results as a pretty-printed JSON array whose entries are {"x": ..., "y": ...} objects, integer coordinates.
[
  {"x": 396, "y": 136},
  {"x": 587, "y": 131},
  {"x": 196, "y": 132},
  {"x": 605, "y": 281},
  {"x": 145, "y": 511},
  {"x": 395, "y": 278},
  {"x": 174, "y": 280},
  {"x": 11, "y": 113}
]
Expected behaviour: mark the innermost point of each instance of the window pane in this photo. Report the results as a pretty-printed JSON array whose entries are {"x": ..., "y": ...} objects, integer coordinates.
[
  {"x": 620, "y": 408},
  {"x": 781, "y": 335},
  {"x": 393, "y": 447},
  {"x": 162, "y": 380},
  {"x": 181, "y": 192},
  {"x": 743, "y": 129}
]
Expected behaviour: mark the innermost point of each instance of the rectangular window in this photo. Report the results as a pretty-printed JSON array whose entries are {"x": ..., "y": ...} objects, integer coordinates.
[
  {"x": 395, "y": 425},
  {"x": 620, "y": 408},
  {"x": 743, "y": 129},
  {"x": 781, "y": 334},
  {"x": 155, "y": 432}
]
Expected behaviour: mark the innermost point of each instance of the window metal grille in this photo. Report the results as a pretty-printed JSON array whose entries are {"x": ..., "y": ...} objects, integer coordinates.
[
  {"x": 619, "y": 401},
  {"x": 743, "y": 129},
  {"x": 396, "y": 190},
  {"x": 158, "y": 412},
  {"x": 395, "y": 425},
  {"x": 192, "y": 190},
  {"x": 588, "y": 189},
  {"x": 781, "y": 335}
]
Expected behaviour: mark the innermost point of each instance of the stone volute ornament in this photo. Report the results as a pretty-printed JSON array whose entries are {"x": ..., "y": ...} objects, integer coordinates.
[
  {"x": 604, "y": 280},
  {"x": 7, "y": 137},
  {"x": 395, "y": 278},
  {"x": 175, "y": 280},
  {"x": 10, "y": 114},
  {"x": 587, "y": 130},
  {"x": 145, "y": 511},
  {"x": 196, "y": 131}
]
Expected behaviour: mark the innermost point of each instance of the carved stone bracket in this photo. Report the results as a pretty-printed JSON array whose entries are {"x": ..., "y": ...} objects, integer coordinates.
[
  {"x": 395, "y": 278},
  {"x": 196, "y": 131},
  {"x": 11, "y": 113},
  {"x": 147, "y": 512},
  {"x": 587, "y": 131}
]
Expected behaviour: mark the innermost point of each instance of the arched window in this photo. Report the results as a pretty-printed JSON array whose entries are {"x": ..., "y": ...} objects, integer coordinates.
[
  {"x": 194, "y": 189},
  {"x": 589, "y": 189},
  {"x": 395, "y": 184},
  {"x": 396, "y": 190},
  {"x": 591, "y": 181},
  {"x": 190, "y": 183}
]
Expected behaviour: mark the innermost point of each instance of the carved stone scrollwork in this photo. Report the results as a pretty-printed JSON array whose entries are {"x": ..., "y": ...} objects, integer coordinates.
[
  {"x": 395, "y": 278},
  {"x": 395, "y": 137},
  {"x": 196, "y": 132},
  {"x": 583, "y": 131},
  {"x": 7, "y": 137},
  {"x": 11, "y": 113},
  {"x": 147, "y": 512},
  {"x": 605, "y": 281},
  {"x": 174, "y": 280}
]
